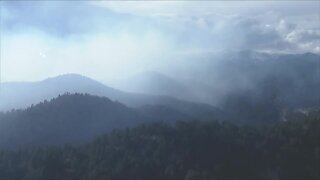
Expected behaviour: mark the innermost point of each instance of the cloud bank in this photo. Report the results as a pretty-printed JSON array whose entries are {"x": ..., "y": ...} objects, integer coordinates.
[{"x": 113, "y": 40}]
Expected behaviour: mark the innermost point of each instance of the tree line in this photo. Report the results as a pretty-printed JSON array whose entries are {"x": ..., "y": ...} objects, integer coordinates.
[{"x": 184, "y": 150}]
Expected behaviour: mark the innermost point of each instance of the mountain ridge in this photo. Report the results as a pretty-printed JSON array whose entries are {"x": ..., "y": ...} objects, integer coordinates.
[
  {"x": 77, "y": 118},
  {"x": 22, "y": 95},
  {"x": 68, "y": 118}
]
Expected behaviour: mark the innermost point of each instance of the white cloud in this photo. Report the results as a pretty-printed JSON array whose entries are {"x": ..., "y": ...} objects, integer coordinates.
[
  {"x": 102, "y": 56},
  {"x": 107, "y": 39}
]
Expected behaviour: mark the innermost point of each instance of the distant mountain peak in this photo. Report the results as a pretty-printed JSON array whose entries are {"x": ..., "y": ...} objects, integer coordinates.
[
  {"x": 153, "y": 75},
  {"x": 69, "y": 76}
]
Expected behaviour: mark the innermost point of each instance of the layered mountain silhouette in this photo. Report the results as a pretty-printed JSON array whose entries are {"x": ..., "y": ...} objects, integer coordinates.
[
  {"x": 248, "y": 86},
  {"x": 17, "y": 95},
  {"x": 76, "y": 118},
  {"x": 22, "y": 94}
]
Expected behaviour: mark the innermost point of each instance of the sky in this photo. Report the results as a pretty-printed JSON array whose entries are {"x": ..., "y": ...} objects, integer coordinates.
[{"x": 110, "y": 40}]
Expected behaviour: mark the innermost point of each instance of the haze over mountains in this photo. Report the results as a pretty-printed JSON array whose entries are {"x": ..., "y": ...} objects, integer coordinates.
[
  {"x": 211, "y": 77},
  {"x": 263, "y": 85},
  {"x": 21, "y": 95},
  {"x": 164, "y": 90}
]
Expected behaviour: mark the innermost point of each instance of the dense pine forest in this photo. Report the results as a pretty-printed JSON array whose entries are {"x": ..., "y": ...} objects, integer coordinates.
[{"x": 185, "y": 150}]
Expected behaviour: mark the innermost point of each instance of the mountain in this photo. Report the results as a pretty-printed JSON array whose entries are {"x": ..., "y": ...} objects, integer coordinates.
[
  {"x": 261, "y": 88},
  {"x": 250, "y": 86},
  {"x": 156, "y": 83},
  {"x": 292, "y": 78},
  {"x": 254, "y": 86},
  {"x": 230, "y": 72},
  {"x": 152, "y": 82},
  {"x": 21, "y": 95},
  {"x": 66, "y": 119},
  {"x": 76, "y": 118}
]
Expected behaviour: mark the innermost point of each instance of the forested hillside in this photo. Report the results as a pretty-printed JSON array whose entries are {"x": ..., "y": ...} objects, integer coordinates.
[
  {"x": 77, "y": 118},
  {"x": 70, "y": 118},
  {"x": 187, "y": 150}
]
